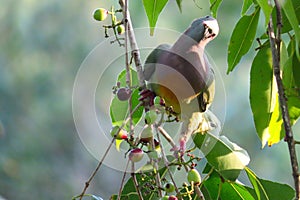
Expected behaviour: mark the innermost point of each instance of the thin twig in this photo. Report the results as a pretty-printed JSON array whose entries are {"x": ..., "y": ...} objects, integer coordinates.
[
  {"x": 155, "y": 165},
  {"x": 136, "y": 185},
  {"x": 127, "y": 65},
  {"x": 275, "y": 47},
  {"x": 199, "y": 193},
  {"x": 134, "y": 47},
  {"x": 166, "y": 162},
  {"x": 128, "y": 77},
  {"x": 170, "y": 140},
  {"x": 167, "y": 137},
  {"x": 123, "y": 180},
  {"x": 87, "y": 183}
]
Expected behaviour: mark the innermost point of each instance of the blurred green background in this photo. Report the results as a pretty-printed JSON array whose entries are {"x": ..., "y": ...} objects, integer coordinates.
[{"x": 42, "y": 46}]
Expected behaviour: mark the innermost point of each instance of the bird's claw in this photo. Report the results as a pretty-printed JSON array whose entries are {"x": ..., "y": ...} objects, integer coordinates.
[
  {"x": 147, "y": 97},
  {"x": 179, "y": 151}
]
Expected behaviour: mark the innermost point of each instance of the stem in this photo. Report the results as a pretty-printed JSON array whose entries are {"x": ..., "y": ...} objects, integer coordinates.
[
  {"x": 128, "y": 74},
  {"x": 133, "y": 44},
  {"x": 122, "y": 182},
  {"x": 275, "y": 46},
  {"x": 166, "y": 162},
  {"x": 155, "y": 165},
  {"x": 199, "y": 193},
  {"x": 167, "y": 136},
  {"x": 87, "y": 183},
  {"x": 135, "y": 181}
]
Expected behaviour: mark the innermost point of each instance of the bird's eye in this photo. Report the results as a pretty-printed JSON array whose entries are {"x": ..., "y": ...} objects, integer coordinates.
[
  {"x": 209, "y": 30},
  {"x": 207, "y": 16}
]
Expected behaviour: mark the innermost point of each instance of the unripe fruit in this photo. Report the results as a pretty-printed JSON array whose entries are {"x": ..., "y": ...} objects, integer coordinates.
[
  {"x": 135, "y": 155},
  {"x": 154, "y": 153},
  {"x": 169, "y": 187},
  {"x": 165, "y": 198},
  {"x": 147, "y": 134},
  {"x": 194, "y": 176},
  {"x": 123, "y": 94},
  {"x": 158, "y": 101},
  {"x": 150, "y": 116},
  {"x": 100, "y": 14},
  {"x": 121, "y": 135},
  {"x": 120, "y": 29},
  {"x": 172, "y": 197}
]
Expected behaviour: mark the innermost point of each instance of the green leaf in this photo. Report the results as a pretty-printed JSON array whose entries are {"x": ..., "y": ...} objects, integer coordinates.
[
  {"x": 284, "y": 55},
  {"x": 242, "y": 38},
  {"x": 291, "y": 76},
  {"x": 225, "y": 156},
  {"x": 179, "y": 4},
  {"x": 119, "y": 110},
  {"x": 226, "y": 190},
  {"x": 268, "y": 190},
  {"x": 296, "y": 71},
  {"x": 214, "y": 6},
  {"x": 266, "y": 8},
  {"x": 246, "y": 6},
  {"x": 255, "y": 183},
  {"x": 153, "y": 8},
  {"x": 289, "y": 11},
  {"x": 276, "y": 129},
  {"x": 262, "y": 94},
  {"x": 285, "y": 21}
]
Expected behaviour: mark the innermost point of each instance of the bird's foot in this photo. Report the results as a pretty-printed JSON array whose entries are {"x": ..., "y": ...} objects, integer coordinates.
[
  {"x": 207, "y": 124},
  {"x": 147, "y": 97},
  {"x": 180, "y": 151}
]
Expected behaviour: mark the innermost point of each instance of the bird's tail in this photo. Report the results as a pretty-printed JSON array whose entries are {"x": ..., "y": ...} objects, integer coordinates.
[{"x": 198, "y": 122}]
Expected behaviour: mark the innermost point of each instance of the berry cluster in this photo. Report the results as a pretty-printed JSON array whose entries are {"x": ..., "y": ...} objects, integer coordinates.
[{"x": 100, "y": 14}]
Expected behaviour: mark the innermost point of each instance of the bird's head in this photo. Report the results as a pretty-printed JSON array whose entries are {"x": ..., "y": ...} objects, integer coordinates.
[{"x": 203, "y": 29}]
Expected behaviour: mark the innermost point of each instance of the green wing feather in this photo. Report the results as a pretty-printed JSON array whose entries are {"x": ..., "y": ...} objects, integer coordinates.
[{"x": 152, "y": 59}]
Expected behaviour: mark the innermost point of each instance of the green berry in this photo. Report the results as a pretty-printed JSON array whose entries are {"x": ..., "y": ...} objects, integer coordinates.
[
  {"x": 121, "y": 135},
  {"x": 165, "y": 198},
  {"x": 157, "y": 100},
  {"x": 156, "y": 152},
  {"x": 120, "y": 29},
  {"x": 150, "y": 116},
  {"x": 100, "y": 14},
  {"x": 169, "y": 187},
  {"x": 147, "y": 134},
  {"x": 194, "y": 176},
  {"x": 136, "y": 155}
]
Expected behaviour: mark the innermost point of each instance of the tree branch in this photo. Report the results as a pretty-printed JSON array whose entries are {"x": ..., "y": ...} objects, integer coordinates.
[
  {"x": 135, "y": 182},
  {"x": 275, "y": 47},
  {"x": 87, "y": 183},
  {"x": 133, "y": 44}
]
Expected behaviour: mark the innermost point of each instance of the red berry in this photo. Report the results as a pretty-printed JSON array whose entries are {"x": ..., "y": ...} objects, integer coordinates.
[
  {"x": 123, "y": 94},
  {"x": 172, "y": 197},
  {"x": 136, "y": 155},
  {"x": 121, "y": 135}
]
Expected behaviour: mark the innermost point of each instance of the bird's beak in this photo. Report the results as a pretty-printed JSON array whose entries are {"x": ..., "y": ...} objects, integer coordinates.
[{"x": 213, "y": 24}]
